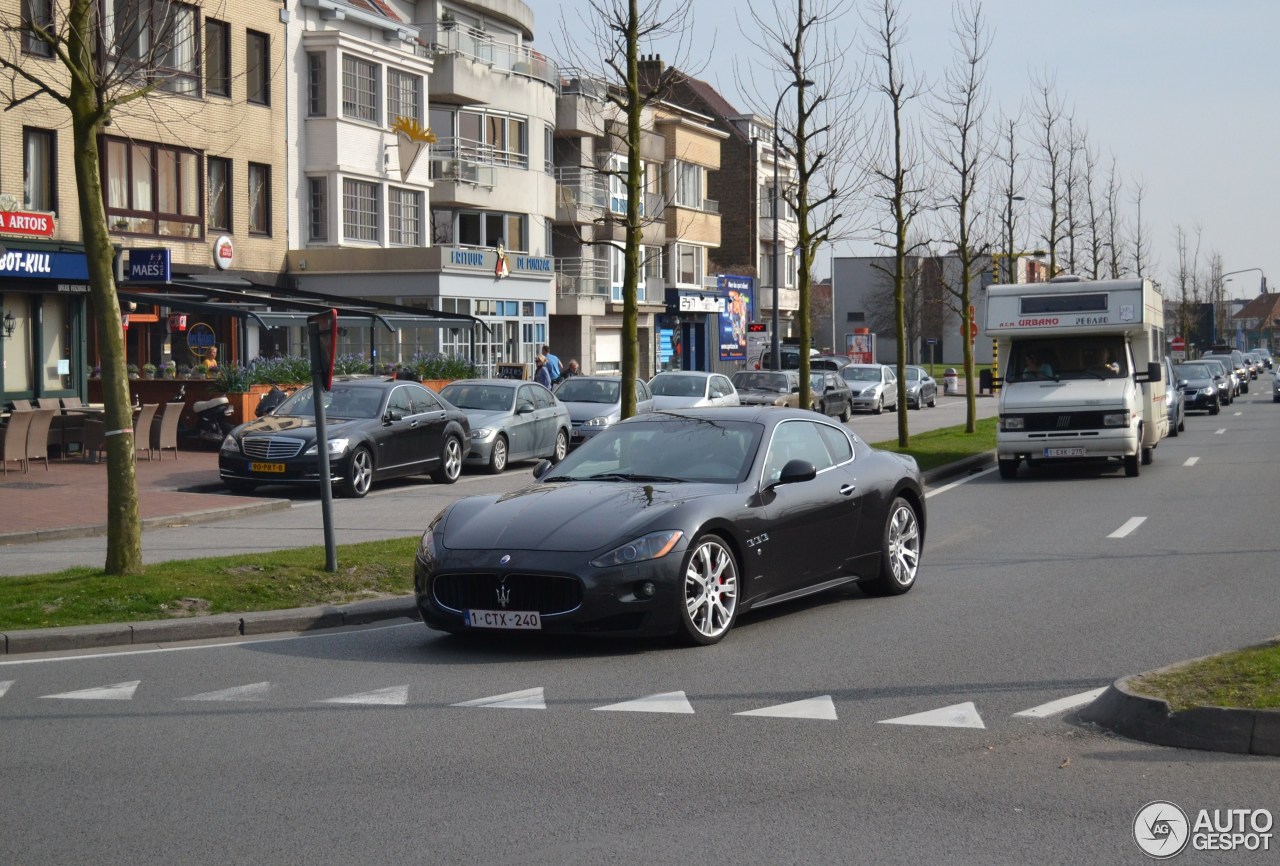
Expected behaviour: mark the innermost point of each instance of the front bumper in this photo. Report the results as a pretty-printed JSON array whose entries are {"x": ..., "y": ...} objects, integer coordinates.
[
  {"x": 1197, "y": 402},
  {"x": 585, "y": 600},
  {"x": 296, "y": 470},
  {"x": 1107, "y": 442},
  {"x": 865, "y": 404}
]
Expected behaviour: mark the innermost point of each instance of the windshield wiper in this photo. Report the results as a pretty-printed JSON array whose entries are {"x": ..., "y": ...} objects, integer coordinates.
[{"x": 630, "y": 476}]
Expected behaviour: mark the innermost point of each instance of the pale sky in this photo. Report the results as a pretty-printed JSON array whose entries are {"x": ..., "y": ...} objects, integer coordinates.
[{"x": 1185, "y": 94}]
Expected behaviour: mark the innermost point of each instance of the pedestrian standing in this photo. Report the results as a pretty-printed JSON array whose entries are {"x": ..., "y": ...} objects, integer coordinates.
[
  {"x": 553, "y": 364},
  {"x": 541, "y": 374}
]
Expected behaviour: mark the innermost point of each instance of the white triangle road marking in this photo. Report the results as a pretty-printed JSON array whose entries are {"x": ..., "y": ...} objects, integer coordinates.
[
  {"x": 251, "y": 692},
  {"x": 4, "y": 686},
  {"x": 392, "y": 696},
  {"x": 1191, "y": 461},
  {"x": 810, "y": 708},
  {"x": 1061, "y": 704},
  {"x": 117, "y": 692},
  {"x": 665, "y": 702},
  {"x": 528, "y": 699},
  {"x": 1128, "y": 527},
  {"x": 955, "y": 716}
]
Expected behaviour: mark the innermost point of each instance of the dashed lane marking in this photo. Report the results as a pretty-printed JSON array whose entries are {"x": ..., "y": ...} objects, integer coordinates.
[
  {"x": 955, "y": 716},
  {"x": 944, "y": 488},
  {"x": 666, "y": 702},
  {"x": 810, "y": 708},
  {"x": 1129, "y": 526},
  {"x": 1220, "y": 431},
  {"x": 392, "y": 696},
  {"x": 4, "y": 686},
  {"x": 117, "y": 692},
  {"x": 1191, "y": 461},
  {"x": 251, "y": 692},
  {"x": 1061, "y": 704},
  {"x": 528, "y": 699}
]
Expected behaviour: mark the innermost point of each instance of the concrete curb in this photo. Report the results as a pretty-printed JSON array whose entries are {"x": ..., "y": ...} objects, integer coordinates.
[
  {"x": 89, "y": 530},
  {"x": 206, "y": 627},
  {"x": 1152, "y": 720},
  {"x": 967, "y": 466}
]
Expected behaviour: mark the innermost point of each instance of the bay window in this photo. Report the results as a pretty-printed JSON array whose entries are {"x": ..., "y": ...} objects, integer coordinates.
[
  {"x": 404, "y": 96},
  {"x": 359, "y": 89},
  {"x": 360, "y": 211}
]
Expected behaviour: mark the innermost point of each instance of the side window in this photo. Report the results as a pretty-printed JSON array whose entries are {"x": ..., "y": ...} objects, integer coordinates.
[
  {"x": 795, "y": 440},
  {"x": 543, "y": 399},
  {"x": 526, "y": 395},
  {"x": 724, "y": 386},
  {"x": 400, "y": 401},
  {"x": 423, "y": 400},
  {"x": 838, "y": 445}
]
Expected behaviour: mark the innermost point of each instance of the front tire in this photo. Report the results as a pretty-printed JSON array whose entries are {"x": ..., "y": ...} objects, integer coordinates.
[
  {"x": 709, "y": 600},
  {"x": 1217, "y": 407},
  {"x": 498, "y": 457},
  {"x": 1008, "y": 468},
  {"x": 933, "y": 401},
  {"x": 1131, "y": 468},
  {"x": 899, "y": 552},
  {"x": 450, "y": 462},
  {"x": 359, "y": 474},
  {"x": 1148, "y": 454},
  {"x": 846, "y": 413}
]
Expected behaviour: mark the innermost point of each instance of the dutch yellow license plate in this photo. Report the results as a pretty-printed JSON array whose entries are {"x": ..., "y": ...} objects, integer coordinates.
[{"x": 267, "y": 467}]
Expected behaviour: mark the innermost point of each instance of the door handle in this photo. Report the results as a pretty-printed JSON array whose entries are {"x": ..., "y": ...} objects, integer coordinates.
[
  {"x": 413, "y": 423},
  {"x": 848, "y": 489}
]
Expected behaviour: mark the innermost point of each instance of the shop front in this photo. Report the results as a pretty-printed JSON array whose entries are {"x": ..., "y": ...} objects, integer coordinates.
[
  {"x": 44, "y": 291},
  {"x": 707, "y": 329}
]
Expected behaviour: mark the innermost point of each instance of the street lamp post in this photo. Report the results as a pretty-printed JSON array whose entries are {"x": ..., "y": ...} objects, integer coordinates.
[{"x": 775, "y": 352}]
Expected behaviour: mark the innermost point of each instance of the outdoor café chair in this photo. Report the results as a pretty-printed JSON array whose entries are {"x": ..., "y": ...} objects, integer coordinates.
[
  {"x": 14, "y": 439},
  {"x": 38, "y": 436},
  {"x": 164, "y": 433},
  {"x": 142, "y": 429}
]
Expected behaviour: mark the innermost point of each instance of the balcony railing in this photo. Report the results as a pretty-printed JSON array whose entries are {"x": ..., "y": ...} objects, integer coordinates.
[
  {"x": 581, "y": 187},
  {"x": 705, "y": 205},
  {"x": 480, "y": 46},
  {"x": 582, "y": 277},
  {"x": 575, "y": 82}
]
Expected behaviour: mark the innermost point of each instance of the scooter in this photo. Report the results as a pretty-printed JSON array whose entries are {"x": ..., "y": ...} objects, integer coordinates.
[
  {"x": 270, "y": 400},
  {"x": 214, "y": 419}
]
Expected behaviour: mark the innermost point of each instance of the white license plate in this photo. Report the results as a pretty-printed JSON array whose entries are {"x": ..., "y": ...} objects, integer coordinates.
[
  {"x": 1064, "y": 452},
  {"x": 523, "y": 619}
]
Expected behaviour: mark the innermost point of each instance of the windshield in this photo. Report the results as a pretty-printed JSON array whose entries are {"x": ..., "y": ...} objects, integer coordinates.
[
  {"x": 344, "y": 401},
  {"x": 479, "y": 397},
  {"x": 677, "y": 385},
  {"x": 1192, "y": 371},
  {"x": 779, "y": 382},
  {"x": 671, "y": 449},
  {"x": 578, "y": 390},
  {"x": 914, "y": 374},
  {"x": 1059, "y": 358},
  {"x": 861, "y": 374}
]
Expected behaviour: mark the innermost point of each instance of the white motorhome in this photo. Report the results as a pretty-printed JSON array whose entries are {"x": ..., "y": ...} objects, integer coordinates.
[{"x": 1081, "y": 362}]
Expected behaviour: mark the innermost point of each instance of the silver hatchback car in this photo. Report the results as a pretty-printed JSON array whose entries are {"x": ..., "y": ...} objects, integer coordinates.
[
  {"x": 595, "y": 403},
  {"x": 874, "y": 386}
]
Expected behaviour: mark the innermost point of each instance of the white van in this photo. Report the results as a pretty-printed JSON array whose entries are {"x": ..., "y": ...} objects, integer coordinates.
[{"x": 1081, "y": 371}]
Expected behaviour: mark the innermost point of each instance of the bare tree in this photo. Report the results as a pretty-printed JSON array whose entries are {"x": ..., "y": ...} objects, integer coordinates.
[
  {"x": 107, "y": 58},
  {"x": 1072, "y": 194},
  {"x": 800, "y": 38},
  {"x": 1114, "y": 223},
  {"x": 620, "y": 29},
  {"x": 962, "y": 104},
  {"x": 1050, "y": 121},
  {"x": 1011, "y": 174},
  {"x": 1186, "y": 308},
  {"x": 898, "y": 172},
  {"x": 1141, "y": 245}
]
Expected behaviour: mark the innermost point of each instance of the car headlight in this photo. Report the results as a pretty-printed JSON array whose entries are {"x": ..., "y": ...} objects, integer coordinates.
[
  {"x": 779, "y": 401},
  {"x": 1208, "y": 392},
  {"x": 230, "y": 445},
  {"x": 1012, "y": 422},
  {"x": 336, "y": 447},
  {"x": 655, "y": 545},
  {"x": 482, "y": 433},
  {"x": 868, "y": 392},
  {"x": 602, "y": 421},
  {"x": 1116, "y": 419}
]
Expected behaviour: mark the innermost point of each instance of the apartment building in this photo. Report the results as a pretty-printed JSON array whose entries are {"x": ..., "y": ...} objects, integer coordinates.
[
  {"x": 192, "y": 177},
  {"x": 467, "y": 227}
]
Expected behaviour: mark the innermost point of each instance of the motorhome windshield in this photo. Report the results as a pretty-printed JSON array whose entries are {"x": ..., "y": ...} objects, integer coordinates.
[{"x": 1059, "y": 358}]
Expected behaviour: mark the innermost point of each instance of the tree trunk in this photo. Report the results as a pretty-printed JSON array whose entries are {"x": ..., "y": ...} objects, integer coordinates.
[{"x": 631, "y": 254}]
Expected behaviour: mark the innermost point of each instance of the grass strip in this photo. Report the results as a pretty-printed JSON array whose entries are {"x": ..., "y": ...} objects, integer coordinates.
[
  {"x": 227, "y": 584},
  {"x": 947, "y": 444},
  {"x": 1244, "y": 678}
]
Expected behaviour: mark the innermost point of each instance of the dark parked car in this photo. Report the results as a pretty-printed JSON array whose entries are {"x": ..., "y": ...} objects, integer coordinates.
[
  {"x": 830, "y": 394},
  {"x": 677, "y": 522},
  {"x": 767, "y": 387},
  {"x": 377, "y": 429},
  {"x": 1229, "y": 384},
  {"x": 1234, "y": 360},
  {"x": 1202, "y": 386},
  {"x": 510, "y": 420},
  {"x": 922, "y": 389}
]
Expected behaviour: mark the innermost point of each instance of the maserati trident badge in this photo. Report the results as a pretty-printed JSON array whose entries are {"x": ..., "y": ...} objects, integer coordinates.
[{"x": 504, "y": 594}]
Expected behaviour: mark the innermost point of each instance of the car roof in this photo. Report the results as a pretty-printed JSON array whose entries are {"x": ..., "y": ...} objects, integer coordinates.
[
  {"x": 760, "y": 414},
  {"x": 509, "y": 383},
  {"x": 687, "y": 373}
]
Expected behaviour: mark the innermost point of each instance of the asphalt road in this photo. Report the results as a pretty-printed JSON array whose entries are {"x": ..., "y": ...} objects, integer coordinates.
[
  {"x": 1032, "y": 592},
  {"x": 391, "y": 510}
]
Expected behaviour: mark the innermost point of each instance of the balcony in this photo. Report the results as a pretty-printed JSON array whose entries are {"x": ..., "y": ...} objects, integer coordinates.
[
  {"x": 582, "y": 195},
  {"x": 788, "y": 299},
  {"x": 582, "y": 287},
  {"x": 466, "y": 57}
]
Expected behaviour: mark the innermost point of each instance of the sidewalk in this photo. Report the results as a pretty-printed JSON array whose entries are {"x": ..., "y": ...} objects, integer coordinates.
[{"x": 70, "y": 499}]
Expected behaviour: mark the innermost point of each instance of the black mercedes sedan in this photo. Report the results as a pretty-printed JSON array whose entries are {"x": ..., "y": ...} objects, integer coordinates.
[
  {"x": 377, "y": 429},
  {"x": 676, "y": 522}
]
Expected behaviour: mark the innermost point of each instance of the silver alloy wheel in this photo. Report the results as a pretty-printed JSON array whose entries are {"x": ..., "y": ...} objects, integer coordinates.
[
  {"x": 452, "y": 460},
  {"x": 711, "y": 589},
  {"x": 498, "y": 459},
  {"x": 361, "y": 473},
  {"x": 903, "y": 544}
]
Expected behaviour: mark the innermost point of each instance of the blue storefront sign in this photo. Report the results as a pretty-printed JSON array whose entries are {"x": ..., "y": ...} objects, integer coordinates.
[
  {"x": 43, "y": 265},
  {"x": 739, "y": 309},
  {"x": 149, "y": 266}
]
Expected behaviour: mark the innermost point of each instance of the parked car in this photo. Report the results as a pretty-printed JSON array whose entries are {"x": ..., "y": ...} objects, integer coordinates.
[
  {"x": 922, "y": 389},
  {"x": 377, "y": 429},
  {"x": 874, "y": 386},
  {"x": 1265, "y": 354},
  {"x": 829, "y": 394},
  {"x": 595, "y": 402},
  {"x": 677, "y": 522},
  {"x": 1254, "y": 360},
  {"x": 510, "y": 420},
  {"x": 767, "y": 387},
  {"x": 1201, "y": 386},
  {"x": 688, "y": 389},
  {"x": 1234, "y": 360},
  {"x": 829, "y": 362},
  {"x": 790, "y": 356},
  {"x": 1230, "y": 379},
  {"x": 1174, "y": 399}
]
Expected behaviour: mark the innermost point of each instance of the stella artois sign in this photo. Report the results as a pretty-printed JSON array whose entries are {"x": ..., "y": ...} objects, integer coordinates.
[{"x": 28, "y": 224}]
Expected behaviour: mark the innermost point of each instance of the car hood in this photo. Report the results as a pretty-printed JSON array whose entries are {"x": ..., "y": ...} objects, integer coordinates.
[
  {"x": 1078, "y": 394},
  {"x": 301, "y": 426},
  {"x": 587, "y": 411},
  {"x": 568, "y": 516}
]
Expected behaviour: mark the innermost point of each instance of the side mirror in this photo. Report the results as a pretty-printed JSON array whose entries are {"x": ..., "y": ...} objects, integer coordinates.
[
  {"x": 392, "y": 416},
  {"x": 543, "y": 467},
  {"x": 1155, "y": 371},
  {"x": 524, "y": 408},
  {"x": 1182, "y": 383},
  {"x": 795, "y": 471}
]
